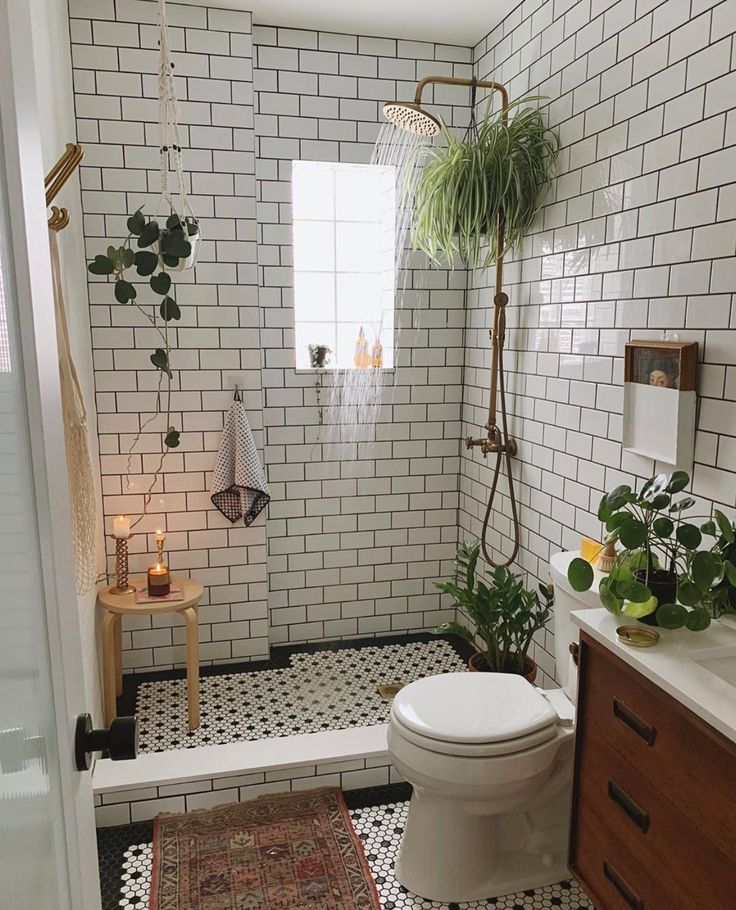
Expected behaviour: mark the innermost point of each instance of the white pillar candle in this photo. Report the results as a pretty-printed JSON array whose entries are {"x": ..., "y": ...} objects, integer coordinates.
[{"x": 121, "y": 527}]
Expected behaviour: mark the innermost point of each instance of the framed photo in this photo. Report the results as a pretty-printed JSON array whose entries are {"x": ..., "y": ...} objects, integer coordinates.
[
  {"x": 662, "y": 364},
  {"x": 660, "y": 400}
]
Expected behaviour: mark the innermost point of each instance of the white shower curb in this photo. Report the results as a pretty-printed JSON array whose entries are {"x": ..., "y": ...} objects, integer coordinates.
[{"x": 183, "y": 779}]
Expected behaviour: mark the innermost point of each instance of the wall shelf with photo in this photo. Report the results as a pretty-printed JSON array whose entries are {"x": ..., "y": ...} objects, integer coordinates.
[{"x": 660, "y": 400}]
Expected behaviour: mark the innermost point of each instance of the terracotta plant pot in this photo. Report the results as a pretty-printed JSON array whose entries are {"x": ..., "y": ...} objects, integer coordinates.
[
  {"x": 478, "y": 664},
  {"x": 663, "y": 585}
]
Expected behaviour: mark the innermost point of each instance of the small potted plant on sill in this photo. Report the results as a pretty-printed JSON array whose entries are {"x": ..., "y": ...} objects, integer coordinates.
[
  {"x": 319, "y": 355},
  {"x": 500, "y": 615},
  {"x": 662, "y": 575}
]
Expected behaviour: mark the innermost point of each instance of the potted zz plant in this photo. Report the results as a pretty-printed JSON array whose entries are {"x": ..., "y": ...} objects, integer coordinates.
[
  {"x": 664, "y": 573},
  {"x": 499, "y": 617}
]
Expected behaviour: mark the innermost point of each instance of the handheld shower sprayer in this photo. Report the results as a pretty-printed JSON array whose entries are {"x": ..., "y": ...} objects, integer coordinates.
[{"x": 412, "y": 117}]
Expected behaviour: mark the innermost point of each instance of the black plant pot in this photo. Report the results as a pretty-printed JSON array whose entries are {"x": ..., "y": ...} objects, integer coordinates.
[{"x": 663, "y": 585}]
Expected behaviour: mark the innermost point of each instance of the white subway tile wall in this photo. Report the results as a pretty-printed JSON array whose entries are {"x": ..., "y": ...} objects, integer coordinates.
[
  {"x": 637, "y": 238},
  {"x": 115, "y": 61},
  {"x": 357, "y": 532}
]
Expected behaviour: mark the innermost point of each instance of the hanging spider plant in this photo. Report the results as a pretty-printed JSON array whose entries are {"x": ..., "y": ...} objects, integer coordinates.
[{"x": 497, "y": 173}]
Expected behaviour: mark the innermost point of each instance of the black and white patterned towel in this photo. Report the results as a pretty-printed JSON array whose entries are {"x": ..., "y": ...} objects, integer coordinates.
[{"x": 239, "y": 488}]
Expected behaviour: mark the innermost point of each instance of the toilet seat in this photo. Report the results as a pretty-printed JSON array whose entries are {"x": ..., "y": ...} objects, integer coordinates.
[
  {"x": 475, "y": 750},
  {"x": 473, "y": 714}
]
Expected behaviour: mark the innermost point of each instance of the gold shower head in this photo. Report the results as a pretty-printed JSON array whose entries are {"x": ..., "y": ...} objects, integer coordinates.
[{"x": 412, "y": 118}]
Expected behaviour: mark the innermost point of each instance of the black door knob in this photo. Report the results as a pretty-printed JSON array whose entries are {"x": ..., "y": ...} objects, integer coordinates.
[{"x": 120, "y": 741}]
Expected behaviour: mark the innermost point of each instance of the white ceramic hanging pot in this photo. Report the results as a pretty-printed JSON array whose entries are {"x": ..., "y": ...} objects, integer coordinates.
[
  {"x": 194, "y": 239},
  {"x": 191, "y": 260}
]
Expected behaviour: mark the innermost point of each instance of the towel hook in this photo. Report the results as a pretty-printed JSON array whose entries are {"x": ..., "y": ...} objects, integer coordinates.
[{"x": 237, "y": 396}]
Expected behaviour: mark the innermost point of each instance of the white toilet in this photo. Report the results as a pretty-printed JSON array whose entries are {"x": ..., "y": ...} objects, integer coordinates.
[{"x": 490, "y": 759}]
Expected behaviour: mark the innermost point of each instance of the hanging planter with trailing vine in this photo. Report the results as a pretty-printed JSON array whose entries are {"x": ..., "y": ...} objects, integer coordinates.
[
  {"x": 155, "y": 251},
  {"x": 169, "y": 242}
]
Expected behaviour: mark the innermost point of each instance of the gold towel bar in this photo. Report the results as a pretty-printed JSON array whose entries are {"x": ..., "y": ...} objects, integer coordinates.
[{"x": 55, "y": 180}]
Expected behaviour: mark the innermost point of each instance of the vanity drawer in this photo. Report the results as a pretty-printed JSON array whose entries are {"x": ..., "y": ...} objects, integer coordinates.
[
  {"x": 681, "y": 756},
  {"x": 615, "y": 878},
  {"x": 653, "y": 830}
]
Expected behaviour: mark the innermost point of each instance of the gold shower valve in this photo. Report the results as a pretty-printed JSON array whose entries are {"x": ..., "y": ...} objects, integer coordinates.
[{"x": 489, "y": 445}]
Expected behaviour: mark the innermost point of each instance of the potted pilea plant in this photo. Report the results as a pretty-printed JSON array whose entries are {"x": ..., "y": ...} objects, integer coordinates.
[
  {"x": 663, "y": 574},
  {"x": 499, "y": 616},
  {"x": 497, "y": 172},
  {"x": 157, "y": 250}
]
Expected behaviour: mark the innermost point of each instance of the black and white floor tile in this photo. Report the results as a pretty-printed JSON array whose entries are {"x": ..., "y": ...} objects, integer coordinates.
[
  {"x": 380, "y": 828},
  {"x": 125, "y": 862},
  {"x": 324, "y": 690}
]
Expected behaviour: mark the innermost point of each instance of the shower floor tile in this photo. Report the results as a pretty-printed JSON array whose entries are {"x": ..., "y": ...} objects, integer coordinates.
[
  {"x": 379, "y": 815},
  {"x": 327, "y": 689}
]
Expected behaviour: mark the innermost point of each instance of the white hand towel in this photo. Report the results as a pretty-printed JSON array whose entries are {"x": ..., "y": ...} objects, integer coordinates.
[{"x": 239, "y": 488}]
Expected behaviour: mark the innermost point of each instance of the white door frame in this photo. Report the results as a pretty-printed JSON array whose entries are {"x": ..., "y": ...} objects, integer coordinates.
[{"x": 25, "y": 182}]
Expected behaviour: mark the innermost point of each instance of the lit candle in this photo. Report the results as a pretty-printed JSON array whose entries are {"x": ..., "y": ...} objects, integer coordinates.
[
  {"x": 121, "y": 527},
  {"x": 159, "y": 580},
  {"x": 159, "y": 536}
]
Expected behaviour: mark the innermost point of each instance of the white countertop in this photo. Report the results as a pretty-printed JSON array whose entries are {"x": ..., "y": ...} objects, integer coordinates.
[{"x": 670, "y": 664}]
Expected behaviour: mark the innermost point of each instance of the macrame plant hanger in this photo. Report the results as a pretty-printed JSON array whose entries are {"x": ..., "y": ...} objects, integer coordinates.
[
  {"x": 175, "y": 206},
  {"x": 176, "y": 201}
]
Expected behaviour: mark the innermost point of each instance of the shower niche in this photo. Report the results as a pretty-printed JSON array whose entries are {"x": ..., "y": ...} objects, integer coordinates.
[{"x": 660, "y": 400}]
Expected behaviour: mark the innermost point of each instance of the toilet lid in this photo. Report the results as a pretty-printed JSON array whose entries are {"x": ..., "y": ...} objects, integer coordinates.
[{"x": 473, "y": 707}]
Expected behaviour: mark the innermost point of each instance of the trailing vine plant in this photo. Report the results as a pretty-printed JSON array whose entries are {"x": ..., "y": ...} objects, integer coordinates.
[{"x": 156, "y": 250}]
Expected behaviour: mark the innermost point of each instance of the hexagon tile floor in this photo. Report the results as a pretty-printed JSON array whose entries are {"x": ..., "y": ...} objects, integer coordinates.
[
  {"x": 378, "y": 814},
  {"x": 330, "y": 689}
]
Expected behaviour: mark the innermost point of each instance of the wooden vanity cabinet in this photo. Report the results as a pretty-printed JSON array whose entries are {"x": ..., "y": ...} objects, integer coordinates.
[{"x": 654, "y": 795}]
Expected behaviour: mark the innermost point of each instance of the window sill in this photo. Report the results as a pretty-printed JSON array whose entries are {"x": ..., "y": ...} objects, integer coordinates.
[{"x": 327, "y": 370}]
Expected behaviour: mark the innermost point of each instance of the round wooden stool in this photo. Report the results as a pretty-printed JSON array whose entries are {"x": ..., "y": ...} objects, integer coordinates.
[{"x": 118, "y": 605}]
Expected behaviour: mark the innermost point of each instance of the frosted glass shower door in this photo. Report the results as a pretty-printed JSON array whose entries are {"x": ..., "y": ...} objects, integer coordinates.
[{"x": 47, "y": 847}]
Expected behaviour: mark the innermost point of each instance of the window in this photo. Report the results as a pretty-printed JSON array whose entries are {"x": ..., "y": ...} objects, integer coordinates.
[{"x": 344, "y": 262}]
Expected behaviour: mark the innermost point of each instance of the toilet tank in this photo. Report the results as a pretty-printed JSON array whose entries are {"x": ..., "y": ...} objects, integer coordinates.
[{"x": 567, "y": 600}]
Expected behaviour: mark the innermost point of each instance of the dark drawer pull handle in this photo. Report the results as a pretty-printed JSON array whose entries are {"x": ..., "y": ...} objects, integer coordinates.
[
  {"x": 637, "y": 815},
  {"x": 632, "y": 720},
  {"x": 623, "y": 888}
]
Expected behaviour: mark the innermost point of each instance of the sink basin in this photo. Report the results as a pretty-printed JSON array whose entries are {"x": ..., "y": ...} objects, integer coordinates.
[{"x": 721, "y": 662}]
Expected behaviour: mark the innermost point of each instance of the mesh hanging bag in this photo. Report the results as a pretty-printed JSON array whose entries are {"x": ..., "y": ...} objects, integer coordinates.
[{"x": 82, "y": 493}]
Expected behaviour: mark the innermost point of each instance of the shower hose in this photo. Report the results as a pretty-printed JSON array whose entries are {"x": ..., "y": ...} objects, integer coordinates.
[{"x": 503, "y": 454}]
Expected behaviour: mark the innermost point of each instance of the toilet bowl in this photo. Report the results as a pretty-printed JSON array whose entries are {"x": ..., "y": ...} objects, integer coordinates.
[
  {"x": 490, "y": 760},
  {"x": 491, "y": 767}
]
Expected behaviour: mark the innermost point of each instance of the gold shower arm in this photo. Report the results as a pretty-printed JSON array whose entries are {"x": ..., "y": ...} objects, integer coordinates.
[
  {"x": 456, "y": 80},
  {"x": 55, "y": 180}
]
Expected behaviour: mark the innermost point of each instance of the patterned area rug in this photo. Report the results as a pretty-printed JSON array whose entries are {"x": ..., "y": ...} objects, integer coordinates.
[{"x": 283, "y": 852}]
